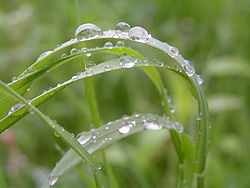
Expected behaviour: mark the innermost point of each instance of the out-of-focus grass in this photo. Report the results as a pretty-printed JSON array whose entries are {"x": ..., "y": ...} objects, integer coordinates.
[{"x": 213, "y": 34}]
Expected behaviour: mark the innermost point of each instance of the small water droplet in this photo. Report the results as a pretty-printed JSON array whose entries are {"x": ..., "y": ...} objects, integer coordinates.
[
  {"x": 124, "y": 129},
  {"x": 90, "y": 65},
  {"x": 199, "y": 79},
  {"x": 86, "y": 31},
  {"x": 84, "y": 137},
  {"x": 73, "y": 51},
  {"x": 53, "y": 178},
  {"x": 152, "y": 124},
  {"x": 43, "y": 55},
  {"x": 84, "y": 49},
  {"x": 120, "y": 43},
  {"x": 178, "y": 127},
  {"x": 108, "y": 45},
  {"x": 188, "y": 68},
  {"x": 138, "y": 34},
  {"x": 74, "y": 78},
  {"x": 107, "y": 67},
  {"x": 88, "y": 54},
  {"x": 64, "y": 55},
  {"x": 122, "y": 27},
  {"x": 174, "y": 52},
  {"x": 14, "y": 108},
  {"x": 127, "y": 61}
]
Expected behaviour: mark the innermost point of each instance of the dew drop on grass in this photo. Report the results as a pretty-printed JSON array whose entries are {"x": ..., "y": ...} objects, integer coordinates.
[
  {"x": 120, "y": 43},
  {"x": 87, "y": 30},
  {"x": 199, "y": 79},
  {"x": 84, "y": 137},
  {"x": 90, "y": 65},
  {"x": 174, "y": 52},
  {"x": 107, "y": 67},
  {"x": 124, "y": 129},
  {"x": 138, "y": 34},
  {"x": 84, "y": 49},
  {"x": 63, "y": 55},
  {"x": 127, "y": 61},
  {"x": 108, "y": 45},
  {"x": 53, "y": 178},
  {"x": 188, "y": 68},
  {"x": 178, "y": 127},
  {"x": 122, "y": 27},
  {"x": 152, "y": 124},
  {"x": 14, "y": 108},
  {"x": 43, "y": 55},
  {"x": 73, "y": 51},
  {"x": 88, "y": 54}
]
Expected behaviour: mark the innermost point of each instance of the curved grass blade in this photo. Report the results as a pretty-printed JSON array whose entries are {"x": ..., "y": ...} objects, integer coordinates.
[
  {"x": 99, "y": 138},
  {"x": 10, "y": 119}
]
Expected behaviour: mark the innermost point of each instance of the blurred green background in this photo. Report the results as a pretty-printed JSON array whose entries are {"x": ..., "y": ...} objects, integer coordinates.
[{"x": 214, "y": 34}]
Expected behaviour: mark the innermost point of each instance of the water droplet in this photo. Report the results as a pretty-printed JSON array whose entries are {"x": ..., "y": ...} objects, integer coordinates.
[
  {"x": 88, "y": 54},
  {"x": 108, "y": 45},
  {"x": 199, "y": 79},
  {"x": 74, "y": 78},
  {"x": 188, "y": 68},
  {"x": 63, "y": 55},
  {"x": 124, "y": 129},
  {"x": 120, "y": 43},
  {"x": 53, "y": 178},
  {"x": 107, "y": 67},
  {"x": 173, "y": 51},
  {"x": 84, "y": 49},
  {"x": 138, "y": 34},
  {"x": 178, "y": 127},
  {"x": 84, "y": 137},
  {"x": 73, "y": 51},
  {"x": 15, "y": 107},
  {"x": 152, "y": 124},
  {"x": 126, "y": 61},
  {"x": 122, "y": 27},
  {"x": 86, "y": 31},
  {"x": 90, "y": 65},
  {"x": 43, "y": 55}
]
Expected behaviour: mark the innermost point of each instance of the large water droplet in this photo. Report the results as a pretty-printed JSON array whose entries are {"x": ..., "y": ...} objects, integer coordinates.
[
  {"x": 108, "y": 45},
  {"x": 53, "y": 178},
  {"x": 124, "y": 129},
  {"x": 43, "y": 55},
  {"x": 138, "y": 34},
  {"x": 87, "y": 31},
  {"x": 122, "y": 27},
  {"x": 15, "y": 107},
  {"x": 188, "y": 68}
]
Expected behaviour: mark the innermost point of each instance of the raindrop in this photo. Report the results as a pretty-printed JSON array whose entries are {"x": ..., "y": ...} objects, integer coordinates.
[
  {"x": 63, "y": 55},
  {"x": 53, "y": 178},
  {"x": 122, "y": 27},
  {"x": 88, "y": 54},
  {"x": 84, "y": 49},
  {"x": 188, "y": 68},
  {"x": 107, "y": 67},
  {"x": 83, "y": 137},
  {"x": 152, "y": 124},
  {"x": 120, "y": 43},
  {"x": 14, "y": 78},
  {"x": 74, "y": 78},
  {"x": 86, "y": 31},
  {"x": 174, "y": 52},
  {"x": 127, "y": 61},
  {"x": 90, "y": 65},
  {"x": 178, "y": 127},
  {"x": 73, "y": 51},
  {"x": 15, "y": 107},
  {"x": 138, "y": 34},
  {"x": 108, "y": 45},
  {"x": 124, "y": 129},
  {"x": 43, "y": 55},
  {"x": 199, "y": 79}
]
